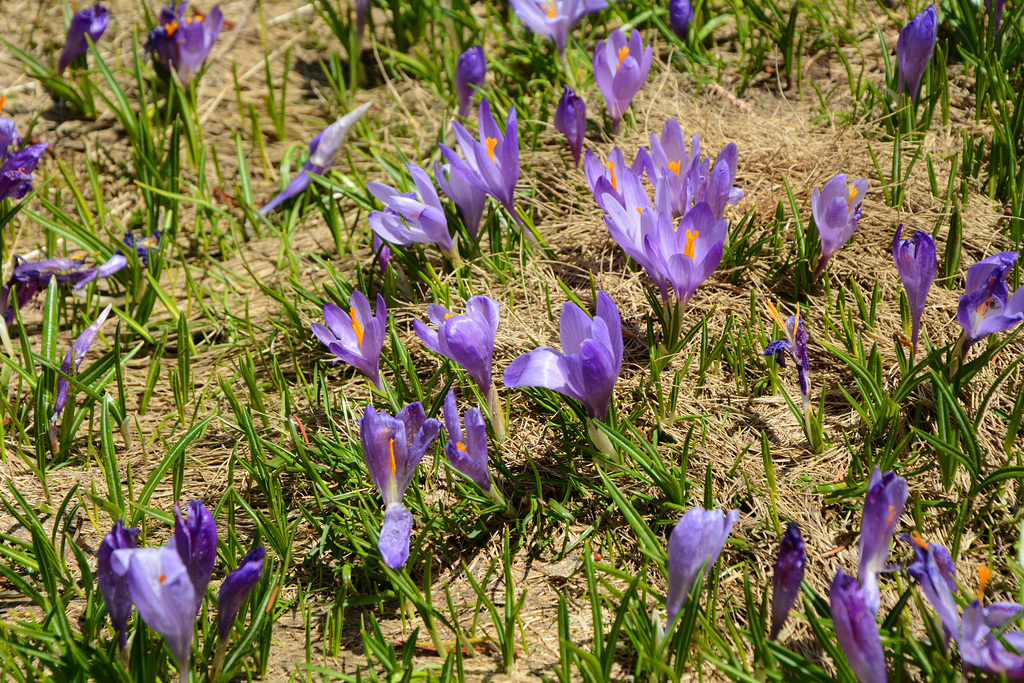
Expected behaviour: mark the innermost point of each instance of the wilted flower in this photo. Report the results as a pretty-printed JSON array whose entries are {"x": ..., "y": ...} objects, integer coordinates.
[
  {"x": 16, "y": 173},
  {"x": 195, "y": 538},
  {"x": 492, "y": 164},
  {"x": 235, "y": 589},
  {"x": 114, "y": 587},
  {"x": 468, "y": 197},
  {"x": 392, "y": 448},
  {"x": 322, "y": 150},
  {"x": 856, "y": 629},
  {"x": 91, "y": 22},
  {"x": 794, "y": 345},
  {"x": 554, "y": 18},
  {"x": 916, "y": 263},
  {"x": 410, "y": 217},
  {"x": 470, "y": 71},
  {"x": 789, "y": 573},
  {"x": 620, "y": 70},
  {"x": 183, "y": 44},
  {"x": 686, "y": 255},
  {"x": 836, "y": 210},
  {"x": 695, "y": 544},
  {"x": 465, "y": 339},
  {"x": 356, "y": 337},
  {"x": 161, "y": 590},
  {"x": 32, "y": 276},
  {"x": 467, "y": 452},
  {"x": 73, "y": 357},
  {"x": 680, "y": 16},
  {"x": 883, "y": 505},
  {"x": 571, "y": 121},
  {"x": 143, "y": 247},
  {"x": 588, "y": 365},
  {"x": 987, "y": 307},
  {"x": 914, "y": 50}
]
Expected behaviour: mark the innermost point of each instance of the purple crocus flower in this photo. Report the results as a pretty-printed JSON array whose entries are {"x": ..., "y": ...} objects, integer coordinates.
[
  {"x": 789, "y": 573},
  {"x": 936, "y": 575},
  {"x": 91, "y": 22},
  {"x": 883, "y": 505},
  {"x": 588, "y": 365},
  {"x": 392, "y": 448},
  {"x": 114, "y": 264},
  {"x": 571, "y": 121},
  {"x": 553, "y": 19},
  {"x": 357, "y": 337},
  {"x": 794, "y": 345},
  {"x": 235, "y": 589},
  {"x": 626, "y": 215},
  {"x": 362, "y": 6},
  {"x": 987, "y": 307},
  {"x": 162, "y": 591},
  {"x": 74, "y": 356},
  {"x": 383, "y": 252},
  {"x": 322, "y": 150},
  {"x": 468, "y": 197},
  {"x": 183, "y": 44},
  {"x": 620, "y": 70},
  {"x": 16, "y": 172},
  {"x": 31, "y": 276},
  {"x": 836, "y": 210},
  {"x": 916, "y": 263},
  {"x": 694, "y": 546},
  {"x": 9, "y": 138},
  {"x": 467, "y": 452},
  {"x": 611, "y": 172},
  {"x": 465, "y": 339},
  {"x": 114, "y": 587},
  {"x": 470, "y": 71},
  {"x": 680, "y": 16},
  {"x": 143, "y": 247},
  {"x": 856, "y": 629},
  {"x": 997, "y": 14},
  {"x": 195, "y": 539},
  {"x": 410, "y": 217},
  {"x": 492, "y": 164},
  {"x": 686, "y": 255},
  {"x": 914, "y": 50}
]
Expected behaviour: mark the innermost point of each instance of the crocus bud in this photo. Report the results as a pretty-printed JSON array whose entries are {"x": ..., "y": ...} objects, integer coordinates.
[
  {"x": 883, "y": 505},
  {"x": 856, "y": 630},
  {"x": 696, "y": 542},
  {"x": 91, "y": 22},
  {"x": 571, "y": 120},
  {"x": 195, "y": 539},
  {"x": 789, "y": 572},
  {"x": 914, "y": 50},
  {"x": 917, "y": 264},
  {"x": 114, "y": 588},
  {"x": 680, "y": 16},
  {"x": 467, "y": 452},
  {"x": 470, "y": 71},
  {"x": 236, "y": 588}
]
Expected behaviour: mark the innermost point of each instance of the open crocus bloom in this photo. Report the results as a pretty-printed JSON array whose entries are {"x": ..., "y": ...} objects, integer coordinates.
[
  {"x": 356, "y": 336},
  {"x": 987, "y": 307},
  {"x": 16, "y": 173},
  {"x": 610, "y": 171},
  {"x": 553, "y": 19},
  {"x": 182, "y": 43},
  {"x": 492, "y": 164},
  {"x": 466, "y": 339},
  {"x": 688, "y": 254},
  {"x": 883, "y": 505},
  {"x": 620, "y": 70},
  {"x": 836, "y": 210}
]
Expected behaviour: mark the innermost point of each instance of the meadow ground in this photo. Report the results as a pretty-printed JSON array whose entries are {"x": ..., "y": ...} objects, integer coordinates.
[{"x": 207, "y": 382}]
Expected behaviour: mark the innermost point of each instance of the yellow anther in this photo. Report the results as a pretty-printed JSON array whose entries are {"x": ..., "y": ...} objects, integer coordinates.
[
  {"x": 691, "y": 235},
  {"x": 853, "y": 194},
  {"x": 920, "y": 542},
  {"x": 491, "y": 143},
  {"x": 171, "y": 28},
  {"x": 623, "y": 53},
  {"x": 391, "y": 447},
  {"x": 356, "y": 327},
  {"x": 984, "y": 574},
  {"x": 675, "y": 166},
  {"x": 776, "y": 316},
  {"x": 551, "y": 10},
  {"x": 461, "y": 446},
  {"x": 611, "y": 170}
]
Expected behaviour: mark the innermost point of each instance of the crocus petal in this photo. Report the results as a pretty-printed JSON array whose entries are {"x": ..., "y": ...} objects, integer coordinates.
[
  {"x": 393, "y": 542},
  {"x": 789, "y": 573},
  {"x": 236, "y": 588},
  {"x": 856, "y": 630}
]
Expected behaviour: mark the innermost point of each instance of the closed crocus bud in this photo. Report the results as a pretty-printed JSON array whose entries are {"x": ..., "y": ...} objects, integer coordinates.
[
  {"x": 571, "y": 120},
  {"x": 114, "y": 587},
  {"x": 695, "y": 544},
  {"x": 91, "y": 22},
  {"x": 236, "y": 588},
  {"x": 916, "y": 263},
  {"x": 856, "y": 630},
  {"x": 789, "y": 572},
  {"x": 883, "y": 505},
  {"x": 914, "y": 50},
  {"x": 680, "y": 16},
  {"x": 470, "y": 71},
  {"x": 195, "y": 539}
]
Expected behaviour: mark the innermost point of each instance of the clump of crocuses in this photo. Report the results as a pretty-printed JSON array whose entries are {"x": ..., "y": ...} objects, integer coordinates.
[
  {"x": 917, "y": 264},
  {"x": 786, "y": 579},
  {"x": 987, "y": 307},
  {"x": 470, "y": 72},
  {"x": 553, "y": 19},
  {"x": 695, "y": 544},
  {"x": 571, "y": 121},
  {"x": 392, "y": 448},
  {"x": 356, "y": 337},
  {"x": 836, "y": 209},
  {"x": 914, "y": 50},
  {"x": 620, "y": 70},
  {"x": 182, "y": 43},
  {"x": 322, "y": 150},
  {"x": 86, "y": 24}
]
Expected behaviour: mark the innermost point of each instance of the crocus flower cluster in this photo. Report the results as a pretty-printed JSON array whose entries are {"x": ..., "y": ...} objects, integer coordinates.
[
  {"x": 322, "y": 150},
  {"x": 86, "y": 25},
  {"x": 836, "y": 210},
  {"x": 917, "y": 264},
  {"x": 694, "y": 546},
  {"x": 553, "y": 19},
  {"x": 470, "y": 72},
  {"x": 620, "y": 70},
  {"x": 73, "y": 358},
  {"x": 914, "y": 50},
  {"x": 167, "y": 584},
  {"x": 987, "y": 307},
  {"x": 182, "y": 43},
  {"x": 356, "y": 337}
]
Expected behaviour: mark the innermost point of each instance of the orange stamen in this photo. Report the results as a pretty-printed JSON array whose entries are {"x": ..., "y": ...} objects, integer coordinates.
[
  {"x": 2, "y": 100},
  {"x": 984, "y": 307},
  {"x": 551, "y": 10},
  {"x": 356, "y": 327},
  {"x": 163, "y": 577},
  {"x": 916, "y": 538},
  {"x": 984, "y": 574},
  {"x": 892, "y": 514},
  {"x": 491, "y": 143},
  {"x": 391, "y": 447},
  {"x": 611, "y": 170},
  {"x": 853, "y": 194},
  {"x": 776, "y": 316},
  {"x": 691, "y": 235},
  {"x": 449, "y": 315},
  {"x": 675, "y": 166},
  {"x": 623, "y": 53},
  {"x": 171, "y": 28},
  {"x": 461, "y": 446},
  {"x": 639, "y": 210}
]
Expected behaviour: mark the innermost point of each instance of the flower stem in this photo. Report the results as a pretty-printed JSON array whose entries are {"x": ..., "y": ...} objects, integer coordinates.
[
  {"x": 497, "y": 414},
  {"x": 603, "y": 444},
  {"x": 218, "y": 658},
  {"x": 570, "y": 75}
]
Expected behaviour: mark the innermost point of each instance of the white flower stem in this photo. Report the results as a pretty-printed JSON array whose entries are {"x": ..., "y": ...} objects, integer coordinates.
[
  {"x": 603, "y": 443},
  {"x": 497, "y": 414}
]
